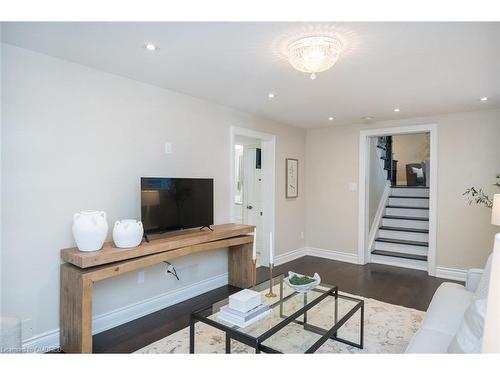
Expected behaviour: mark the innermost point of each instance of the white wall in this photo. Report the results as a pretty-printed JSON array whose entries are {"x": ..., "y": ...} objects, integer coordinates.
[
  {"x": 468, "y": 154},
  {"x": 76, "y": 138}
]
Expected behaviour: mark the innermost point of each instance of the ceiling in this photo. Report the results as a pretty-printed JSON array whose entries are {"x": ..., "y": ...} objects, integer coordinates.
[{"x": 421, "y": 68}]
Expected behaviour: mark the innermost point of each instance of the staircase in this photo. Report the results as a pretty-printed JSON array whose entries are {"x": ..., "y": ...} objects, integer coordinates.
[{"x": 404, "y": 228}]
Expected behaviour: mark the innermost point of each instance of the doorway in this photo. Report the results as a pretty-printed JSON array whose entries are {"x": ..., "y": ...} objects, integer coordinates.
[
  {"x": 397, "y": 220},
  {"x": 252, "y": 185},
  {"x": 248, "y": 186}
]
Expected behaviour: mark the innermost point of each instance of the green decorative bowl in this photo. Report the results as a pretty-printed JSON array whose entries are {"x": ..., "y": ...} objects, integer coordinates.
[{"x": 302, "y": 283}]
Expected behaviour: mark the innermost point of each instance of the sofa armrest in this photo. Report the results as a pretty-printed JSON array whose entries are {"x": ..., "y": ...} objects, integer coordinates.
[{"x": 473, "y": 278}]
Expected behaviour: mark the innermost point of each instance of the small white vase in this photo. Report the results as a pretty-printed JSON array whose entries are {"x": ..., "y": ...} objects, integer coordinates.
[
  {"x": 127, "y": 233},
  {"x": 89, "y": 230}
]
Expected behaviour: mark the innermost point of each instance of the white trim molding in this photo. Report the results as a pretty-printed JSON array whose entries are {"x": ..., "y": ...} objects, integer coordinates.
[
  {"x": 316, "y": 252},
  {"x": 50, "y": 340},
  {"x": 378, "y": 217},
  {"x": 451, "y": 273},
  {"x": 333, "y": 255},
  {"x": 364, "y": 162},
  {"x": 289, "y": 256},
  {"x": 341, "y": 256}
]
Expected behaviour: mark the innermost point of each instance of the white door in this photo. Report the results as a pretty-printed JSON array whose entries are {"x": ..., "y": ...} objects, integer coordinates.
[{"x": 252, "y": 193}]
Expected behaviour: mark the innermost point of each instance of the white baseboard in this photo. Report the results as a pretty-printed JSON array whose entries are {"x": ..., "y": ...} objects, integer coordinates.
[
  {"x": 50, "y": 340},
  {"x": 123, "y": 315},
  {"x": 333, "y": 254},
  {"x": 451, "y": 273},
  {"x": 291, "y": 255},
  {"x": 42, "y": 343},
  {"x": 316, "y": 252},
  {"x": 441, "y": 272}
]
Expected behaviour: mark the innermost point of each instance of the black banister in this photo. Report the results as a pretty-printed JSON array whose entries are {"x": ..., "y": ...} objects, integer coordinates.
[{"x": 390, "y": 165}]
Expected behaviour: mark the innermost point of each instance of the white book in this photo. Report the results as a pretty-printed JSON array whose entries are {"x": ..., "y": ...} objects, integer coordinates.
[
  {"x": 240, "y": 324},
  {"x": 245, "y": 316},
  {"x": 245, "y": 300}
]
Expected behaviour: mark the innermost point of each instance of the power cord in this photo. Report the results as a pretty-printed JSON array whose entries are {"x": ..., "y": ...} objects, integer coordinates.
[{"x": 171, "y": 269}]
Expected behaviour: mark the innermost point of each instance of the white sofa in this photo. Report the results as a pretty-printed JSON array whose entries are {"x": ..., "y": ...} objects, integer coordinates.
[{"x": 445, "y": 314}]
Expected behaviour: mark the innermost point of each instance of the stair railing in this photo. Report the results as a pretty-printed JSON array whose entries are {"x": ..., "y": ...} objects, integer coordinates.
[{"x": 390, "y": 164}]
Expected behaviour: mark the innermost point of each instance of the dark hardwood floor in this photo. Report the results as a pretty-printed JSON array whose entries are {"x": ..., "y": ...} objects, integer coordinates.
[{"x": 394, "y": 285}]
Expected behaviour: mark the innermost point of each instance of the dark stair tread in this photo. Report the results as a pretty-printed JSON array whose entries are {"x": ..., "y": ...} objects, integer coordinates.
[
  {"x": 410, "y": 207},
  {"x": 403, "y": 229},
  {"x": 400, "y": 255},
  {"x": 405, "y": 218},
  {"x": 407, "y": 196},
  {"x": 409, "y": 187},
  {"x": 402, "y": 242}
]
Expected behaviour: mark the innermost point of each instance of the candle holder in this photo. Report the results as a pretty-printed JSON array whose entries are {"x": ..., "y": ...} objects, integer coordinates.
[
  {"x": 254, "y": 273},
  {"x": 270, "y": 294}
]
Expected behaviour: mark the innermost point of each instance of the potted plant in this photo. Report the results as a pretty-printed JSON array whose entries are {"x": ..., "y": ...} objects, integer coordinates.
[{"x": 478, "y": 195}]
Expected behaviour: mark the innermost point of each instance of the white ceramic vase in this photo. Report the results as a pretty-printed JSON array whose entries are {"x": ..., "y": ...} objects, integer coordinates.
[
  {"x": 89, "y": 230},
  {"x": 127, "y": 233}
]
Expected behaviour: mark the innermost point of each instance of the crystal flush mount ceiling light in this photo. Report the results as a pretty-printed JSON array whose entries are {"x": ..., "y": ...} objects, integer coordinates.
[{"x": 314, "y": 54}]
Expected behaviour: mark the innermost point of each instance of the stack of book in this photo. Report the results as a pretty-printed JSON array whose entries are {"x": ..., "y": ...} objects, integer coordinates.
[{"x": 244, "y": 308}]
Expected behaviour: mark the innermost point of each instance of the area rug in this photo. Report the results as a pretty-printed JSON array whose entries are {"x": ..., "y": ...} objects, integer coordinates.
[{"x": 388, "y": 329}]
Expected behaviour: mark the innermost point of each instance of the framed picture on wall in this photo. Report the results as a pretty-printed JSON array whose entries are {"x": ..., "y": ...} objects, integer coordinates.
[{"x": 292, "y": 178}]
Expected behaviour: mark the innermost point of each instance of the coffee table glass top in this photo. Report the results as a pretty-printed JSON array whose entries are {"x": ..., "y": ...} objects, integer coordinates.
[{"x": 277, "y": 331}]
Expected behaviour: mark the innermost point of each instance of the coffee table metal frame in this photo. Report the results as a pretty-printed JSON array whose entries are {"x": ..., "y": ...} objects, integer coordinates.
[{"x": 257, "y": 342}]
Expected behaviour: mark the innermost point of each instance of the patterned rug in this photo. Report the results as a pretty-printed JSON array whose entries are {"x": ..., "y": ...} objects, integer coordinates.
[{"x": 388, "y": 329}]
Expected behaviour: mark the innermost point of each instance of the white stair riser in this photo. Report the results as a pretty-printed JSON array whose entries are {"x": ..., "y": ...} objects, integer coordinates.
[
  {"x": 400, "y": 248},
  {"x": 417, "y": 224},
  {"x": 410, "y": 192},
  {"x": 415, "y": 202},
  {"x": 398, "y": 235},
  {"x": 399, "y": 262},
  {"x": 409, "y": 212}
]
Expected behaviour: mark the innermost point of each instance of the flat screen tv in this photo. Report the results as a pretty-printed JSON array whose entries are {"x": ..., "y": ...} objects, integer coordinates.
[{"x": 176, "y": 203}]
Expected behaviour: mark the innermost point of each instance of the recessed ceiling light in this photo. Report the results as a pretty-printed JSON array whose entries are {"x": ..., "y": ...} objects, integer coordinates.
[
  {"x": 271, "y": 95},
  {"x": 151, "y": 47},
  {"x": 396, "y": 109},
  {"x": 484, "y": 99},
  {"x": 367, "y": 118},
  {"x": 330, "y": 118}
]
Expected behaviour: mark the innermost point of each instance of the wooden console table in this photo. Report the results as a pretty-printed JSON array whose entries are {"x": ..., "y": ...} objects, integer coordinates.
[{"x": 83, "y": 269}]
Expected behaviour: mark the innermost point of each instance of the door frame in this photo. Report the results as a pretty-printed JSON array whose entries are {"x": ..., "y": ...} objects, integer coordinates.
[
  {"x": 364, "y": 163},
  {"x": 268, "y": 145}
]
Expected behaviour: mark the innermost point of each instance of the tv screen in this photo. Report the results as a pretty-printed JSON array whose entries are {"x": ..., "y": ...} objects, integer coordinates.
[{"x": 176, "y": 203}]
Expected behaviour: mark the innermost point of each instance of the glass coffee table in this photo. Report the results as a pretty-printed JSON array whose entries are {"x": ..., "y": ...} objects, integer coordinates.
[{"x": 297, "y": 323}]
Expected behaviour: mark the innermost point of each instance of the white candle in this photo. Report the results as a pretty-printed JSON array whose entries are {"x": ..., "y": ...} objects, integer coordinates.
[
  {"x": 271, "y": 250},
  {"x": 254, "y": 248}
]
